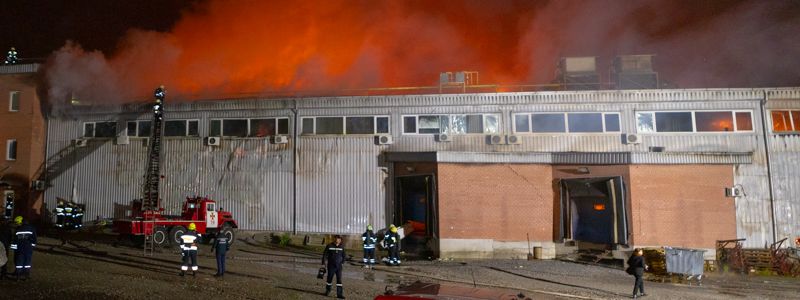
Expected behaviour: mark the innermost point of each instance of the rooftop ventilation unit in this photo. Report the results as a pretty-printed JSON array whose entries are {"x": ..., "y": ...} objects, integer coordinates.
[
  {"x": 578, "y": 73},
  {"x": 634, "y": 72},
  {"x": 383, "y": 139}
]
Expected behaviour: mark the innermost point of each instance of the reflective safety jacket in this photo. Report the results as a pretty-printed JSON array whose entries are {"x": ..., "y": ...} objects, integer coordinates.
[
  {"x": 369, "y": 239},
  {"x": 189, "y": 240},
  {"x": 24, "y": 238},
  {"x": 390, "y": 239},
  {"x": 334, "y": 255}
]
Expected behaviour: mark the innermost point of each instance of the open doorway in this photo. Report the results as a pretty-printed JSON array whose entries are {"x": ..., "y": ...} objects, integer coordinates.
[
  {"x": 594, "y": 210},
  {"x": 416, "y": 205}
]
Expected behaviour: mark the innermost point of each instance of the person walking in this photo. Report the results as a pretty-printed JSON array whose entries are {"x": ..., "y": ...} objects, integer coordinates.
[
  {"x": 636, "y": 267},
  {"x": 221, "y": 245},
  {"x": 334, "y": 256},
  {"x": 23, "y": 244},
  {"x": 391, "y": 241},
  {"x": 369, "y": 238},
  {"x": 189, "y": 241}
]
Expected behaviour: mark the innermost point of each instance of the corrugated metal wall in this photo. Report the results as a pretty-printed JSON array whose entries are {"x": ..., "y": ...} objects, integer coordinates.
[{"x": 343, "y": 182}]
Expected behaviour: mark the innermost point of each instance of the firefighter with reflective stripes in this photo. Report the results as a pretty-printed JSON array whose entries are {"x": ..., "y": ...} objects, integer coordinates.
[
  {"x": 23, "y": 244},
  {"x": 369, "y": 238},
  {"x": 78, "y": 217},
  {"x": 189, "y": 241},
  {"x": 68, "y": 209},
  {"x": 9, "y": 212},
  {"x": 11, "y": 56},
  {"x": 333, "y": 257},
  {"x": 391, "y": 241},
  {"x": 60, "y": 214}
]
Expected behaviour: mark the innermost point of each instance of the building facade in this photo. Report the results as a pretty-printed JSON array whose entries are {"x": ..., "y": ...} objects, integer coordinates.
[
  {"x": 474, "y": 175},
  {"x": 22, "y": 136}
]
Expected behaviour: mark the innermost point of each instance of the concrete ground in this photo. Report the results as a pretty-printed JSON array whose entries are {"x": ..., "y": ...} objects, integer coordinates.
[{"x": 96, "y": 267}]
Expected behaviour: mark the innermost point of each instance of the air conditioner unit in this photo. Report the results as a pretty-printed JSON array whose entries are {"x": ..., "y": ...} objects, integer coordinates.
[
  {"x": 513, "y": 139},
  {"x": 81, "y": 142},
  {"x": 497, "y": 139},
  {"x": 280, "y": 139},
  {"x": 631, "y": 138},
  {"x": 212, "y": 141},
  {"x": 443, "y": 137},
  {"x": 38, "y": 185},
  {"x": 123, "y": 140},
  {"x": 383, "y": 139}
]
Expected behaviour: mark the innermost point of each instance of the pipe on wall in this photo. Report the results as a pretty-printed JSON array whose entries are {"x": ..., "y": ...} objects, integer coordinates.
[{"x": 765, "y": 136}]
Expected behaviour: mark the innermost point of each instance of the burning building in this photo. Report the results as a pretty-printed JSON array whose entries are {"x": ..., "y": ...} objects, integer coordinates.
[{"x": 474, "y": 174}]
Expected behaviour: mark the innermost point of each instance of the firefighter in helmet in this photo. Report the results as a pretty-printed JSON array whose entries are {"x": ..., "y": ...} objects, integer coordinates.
[
  {"x": 60, "y": 213},
  {"x": 78, "y": 216},
  {"x": 189, "y": 241},
  {"x": 23, "y": 244},
  {"x": 69, "y": 208},
  {"x": 11, "y": 57},
  {"x": 369, "y": 238},
  {"x": 333, "y": 257},
  {"x": 391, "y": 241}
]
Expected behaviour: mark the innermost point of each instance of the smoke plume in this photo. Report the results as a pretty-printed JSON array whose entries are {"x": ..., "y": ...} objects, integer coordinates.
[{"x": 222, "y": 48}]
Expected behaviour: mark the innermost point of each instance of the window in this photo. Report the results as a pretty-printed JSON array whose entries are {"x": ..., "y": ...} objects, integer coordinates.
[
  {"x": 11, "y": 149},
  {"x": 785, "y": 120},
  {"x": 13, "y": 101},
  {"x": 100, "y": 129},
  {"x": 181, "y": 128},
  {"x": 262, "y": 127},
  {"x": 573, "y": 122},
  {"x": 140, "y": 128},
  {"x": 452, "y": 124},
  {"x": 694, "y": 121},
  {"x": 345, "y": 125}
]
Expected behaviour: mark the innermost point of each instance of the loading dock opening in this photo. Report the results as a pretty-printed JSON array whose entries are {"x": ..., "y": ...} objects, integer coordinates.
[
  {"x": 594, "y": 210},
  {"x": 416, "y": 205}
]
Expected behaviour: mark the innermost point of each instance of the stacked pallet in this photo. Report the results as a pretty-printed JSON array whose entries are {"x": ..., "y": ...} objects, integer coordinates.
[{"x": 758, "y": 259}]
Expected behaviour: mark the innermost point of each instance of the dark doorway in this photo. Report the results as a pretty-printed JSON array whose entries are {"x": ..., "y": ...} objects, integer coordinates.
[
  {"x": 594, "y": 210},
  {"x": 416, "y": 205}
]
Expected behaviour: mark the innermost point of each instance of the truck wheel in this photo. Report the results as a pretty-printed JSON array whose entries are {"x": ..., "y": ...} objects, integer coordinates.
[
  {"x": 227, "y": 232},
  {"x": 175, "y": 235},
  {"x": 160, "y": 236}
]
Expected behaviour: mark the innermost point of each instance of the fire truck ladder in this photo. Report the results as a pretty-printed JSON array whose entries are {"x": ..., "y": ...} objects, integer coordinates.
[{"x": 150, "y": 203}]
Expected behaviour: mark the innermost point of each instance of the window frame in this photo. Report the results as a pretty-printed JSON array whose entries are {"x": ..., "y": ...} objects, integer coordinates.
[
  {"x": 566, "y": 122},
  {"x": 791, "y": 121},
  {"x": 138, "y": 128},
  {"x": 11, "y": 98},
  {"x": 186, "y": 133},
  {"x": 249, "y": 127},
  {"x": 693, "y": 113},
  {"x": 94, "y": 130},
  {"x": 344, "y": 125},
  {"x": 10, "y": 142},
  {"x": 498, "y": 117}
]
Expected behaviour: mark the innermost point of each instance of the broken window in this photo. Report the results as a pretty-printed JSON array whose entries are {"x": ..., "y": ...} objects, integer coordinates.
[
  {"x": 645, "y": 122},
  {"x": 713, "y": 121},
  {"x": 429, "y": 124},
  {"x": 547, "y": 122},
  {"x": 451, "y": 124},
  {"x": 491, "y": 124},
  {"x": 262, "y": 127}
]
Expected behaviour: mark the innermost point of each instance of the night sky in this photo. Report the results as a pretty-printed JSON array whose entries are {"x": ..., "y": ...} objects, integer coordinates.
[{"x": 359, "y": 44}]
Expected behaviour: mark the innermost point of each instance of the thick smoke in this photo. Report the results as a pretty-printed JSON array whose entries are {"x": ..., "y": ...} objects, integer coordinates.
[{"x": 220, "y": 48}]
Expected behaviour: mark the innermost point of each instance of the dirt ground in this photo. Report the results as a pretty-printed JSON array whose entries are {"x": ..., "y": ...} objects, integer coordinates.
[{"x": 98, "y": 267}]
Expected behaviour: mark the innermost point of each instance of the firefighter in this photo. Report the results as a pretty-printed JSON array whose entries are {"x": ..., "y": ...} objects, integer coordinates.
[
  {"x": 6, "y": 236},
  {"x": 11, "y": 57},
  {"x": 369, "y": 238},
  {"x": 78, "y": 216},
  {"x": 68, "y": 209},
  {"x": 391, "y": 241},
  {"x": 23, "y": 244},
  {"x": 334, "y": 256},
  {"x": 60, "y": 213},
  {"x": 222, "y": 245},
  {"x": 9, "y": 213},
  {"x": 158, "y": 106},
  {"x": 189, "y": 241}
]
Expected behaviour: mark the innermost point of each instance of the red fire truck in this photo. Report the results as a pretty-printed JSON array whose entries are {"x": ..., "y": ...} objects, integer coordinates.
[{"x": 209, "y": 218}]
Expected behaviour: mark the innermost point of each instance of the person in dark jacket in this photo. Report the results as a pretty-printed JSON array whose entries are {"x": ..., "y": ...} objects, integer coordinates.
[
  {"x": 334, "y": 256},
  {"x": 369, "y": 239},
  {"x": 637, "y": 267},
  {"x": 221, "y": 245},
  {"x": 23, "y": 244},
  {"x": 6, "y": 236}
]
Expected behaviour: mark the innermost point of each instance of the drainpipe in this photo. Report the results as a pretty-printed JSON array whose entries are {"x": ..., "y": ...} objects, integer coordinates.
[
  {"x": 764, "y": 129},
  {"x": 294, "y": 168}
]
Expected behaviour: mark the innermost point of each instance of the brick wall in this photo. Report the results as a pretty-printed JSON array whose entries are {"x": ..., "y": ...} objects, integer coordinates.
[
  {"x": 502, "y": 202},
  {"x": 682, "y": 205}
]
